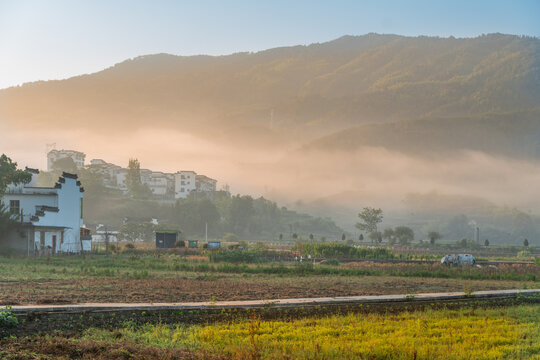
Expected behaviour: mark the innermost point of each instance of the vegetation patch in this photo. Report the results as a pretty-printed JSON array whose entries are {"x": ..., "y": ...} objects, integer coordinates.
[{"x": 469, "y": 332}]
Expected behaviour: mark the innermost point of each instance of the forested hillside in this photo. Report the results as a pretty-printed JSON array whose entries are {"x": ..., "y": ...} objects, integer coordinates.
[{"x": 310, "y": 90}]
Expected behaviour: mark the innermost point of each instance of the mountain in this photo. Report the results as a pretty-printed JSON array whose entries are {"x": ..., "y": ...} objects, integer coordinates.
[
  {"x": 515, "y": 134},
  {"x": 295, "y": 93}
]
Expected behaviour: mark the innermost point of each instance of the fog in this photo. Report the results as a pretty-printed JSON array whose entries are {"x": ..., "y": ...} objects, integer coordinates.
[{"x": 367, "y": 177}]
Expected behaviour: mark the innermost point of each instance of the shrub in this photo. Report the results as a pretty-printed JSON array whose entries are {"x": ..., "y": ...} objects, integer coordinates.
[
  {"x": 343, "y": 251},
  {"x": 238, "y": 256},
  {"x": 7, "y": 319},
  {"x": 180, "y": 244},
  {"x": 229, "y": 237},
  {"x": 130, "y": 246},
  {"x": 332, "y": 262}
]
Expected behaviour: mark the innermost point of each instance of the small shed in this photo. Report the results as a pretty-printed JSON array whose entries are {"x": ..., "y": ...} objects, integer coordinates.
[
  {"x": 166, "y": 239},
  {"x": 214, "y": 244}
]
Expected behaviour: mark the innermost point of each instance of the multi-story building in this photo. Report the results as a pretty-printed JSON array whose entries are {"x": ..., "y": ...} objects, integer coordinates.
[
  {"x": 157, "y": 181},
  {"x": 54, "y": 155},
  {"x": 50, "y": 218},
  {"x": 184, "y": 183},
  {"x": 205, "y": 184},
  {"x": 113, "y": 175}
]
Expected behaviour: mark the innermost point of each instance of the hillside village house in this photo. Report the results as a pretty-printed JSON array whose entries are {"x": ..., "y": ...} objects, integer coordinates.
[
  {"x": 164, "y": 186},
  {"x": 55, "y": 155},
  {"x": 184, "y": 183},
  {"x": 50, "y": 218}
]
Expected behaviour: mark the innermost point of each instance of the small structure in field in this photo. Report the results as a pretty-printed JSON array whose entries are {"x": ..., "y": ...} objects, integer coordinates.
[
  {"x": 193, "y": 244},
  {"x": 214, "y": 244},
  {"x": 166, "y": 239},
  {"x": 458, "y": 259}
]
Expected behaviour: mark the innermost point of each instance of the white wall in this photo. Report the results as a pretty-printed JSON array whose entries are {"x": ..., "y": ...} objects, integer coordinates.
[
  {"x": 184, "y": 184},
  {"x": 68, "y": 216},
  {"x": 28, "y": 202}
]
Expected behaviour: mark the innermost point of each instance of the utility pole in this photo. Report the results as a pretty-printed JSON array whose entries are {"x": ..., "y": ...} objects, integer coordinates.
[{"x": 206, "y": 232}]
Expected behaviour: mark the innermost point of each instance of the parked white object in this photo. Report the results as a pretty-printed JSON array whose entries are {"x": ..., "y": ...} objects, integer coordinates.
[{"x": 458, "y": 259}]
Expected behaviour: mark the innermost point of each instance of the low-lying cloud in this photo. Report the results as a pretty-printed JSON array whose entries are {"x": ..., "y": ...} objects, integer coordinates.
[{"x": 368, "y": 176}]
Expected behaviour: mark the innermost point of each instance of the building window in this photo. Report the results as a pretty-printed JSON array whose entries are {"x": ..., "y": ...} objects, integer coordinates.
[{"x": 14, "y": 207}]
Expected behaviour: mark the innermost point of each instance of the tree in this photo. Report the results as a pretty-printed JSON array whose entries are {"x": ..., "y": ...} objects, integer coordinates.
[
  {"x": 486, "y": 243},
  {"x": 311, "y": 237},
  {"x": 375, "y": 236},
  {"x": 434, "y": 236},
  {"x": 130, "y": 231},
  {"x": 230, "y": 237},
  {"x": 388, "y": 234},
  {"x": 404, "y": 234},
  {"x": 361, "y": 237},
  {"x": 526, "y": 243},
  {"x": 462, "y": 243},
  {"x": 240, "y": 213},
  {"x": 133, "y": 181},
  {"x": 280, "y": 237},
  {"x": 370, "y": 217},
  {"x": 65, "y": 164},
  {"x": 343, "y": 237},
  {"x": 9, "y": 174}
]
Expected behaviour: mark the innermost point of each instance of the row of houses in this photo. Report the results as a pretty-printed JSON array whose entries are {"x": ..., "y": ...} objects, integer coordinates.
[{"x": 175, "y": 186}]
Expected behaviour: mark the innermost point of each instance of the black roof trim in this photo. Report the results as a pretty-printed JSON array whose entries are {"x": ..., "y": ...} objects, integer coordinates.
[
  {"x": 68, "y": 175},
  {"x": 31, "y": 170},
  {"x": 49, "y": 208}
]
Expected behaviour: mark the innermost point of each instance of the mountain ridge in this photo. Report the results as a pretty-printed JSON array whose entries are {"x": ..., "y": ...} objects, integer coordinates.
[{"x": 295, "y": 93}]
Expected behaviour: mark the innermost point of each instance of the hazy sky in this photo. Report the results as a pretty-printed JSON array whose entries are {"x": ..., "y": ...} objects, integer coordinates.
[{"x": 42, "y": 40}]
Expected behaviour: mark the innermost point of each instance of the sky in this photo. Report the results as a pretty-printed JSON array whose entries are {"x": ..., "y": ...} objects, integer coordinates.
[{"x": 56, "y": 39}]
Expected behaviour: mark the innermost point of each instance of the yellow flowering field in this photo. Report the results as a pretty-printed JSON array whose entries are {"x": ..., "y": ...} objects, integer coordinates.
[{"x": 511, "y": 332}]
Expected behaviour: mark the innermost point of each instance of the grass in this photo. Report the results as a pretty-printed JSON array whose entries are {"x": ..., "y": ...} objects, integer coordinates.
[
  {"x": 164, "y": 264},
  {"x": 467, "y": 333}
]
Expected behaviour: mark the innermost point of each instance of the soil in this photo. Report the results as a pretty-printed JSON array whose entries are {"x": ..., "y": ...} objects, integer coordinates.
[
  {"x": 227, "y": 287},
  {"x": 58, "y": 347}
]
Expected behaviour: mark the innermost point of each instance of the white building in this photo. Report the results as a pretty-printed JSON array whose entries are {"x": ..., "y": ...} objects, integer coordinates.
[
  {"x": 184, "y": 183},
  {"x": 51, "y": 218},
  {"x": 156, "y": 181},
  {"x": 205, "y": 184},
  {"x": 114, "y": 176},
  {"x": 54, "y": 155}
]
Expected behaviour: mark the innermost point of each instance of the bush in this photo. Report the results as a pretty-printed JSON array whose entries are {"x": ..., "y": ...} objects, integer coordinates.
[
  {"x": 238, "y": 256},
  {"x": 339, "y": 250},
  {"x": 180, "y": 244},
  {"x": 229, "y": 237},
  {"x": 331, "y": 262},
  {"x": 130, "y": 246},
  {"x": 7, "y": 319}
]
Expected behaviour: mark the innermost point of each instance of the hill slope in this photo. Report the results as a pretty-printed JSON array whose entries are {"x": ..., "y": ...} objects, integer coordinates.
[{"x": 308, "y": 90}]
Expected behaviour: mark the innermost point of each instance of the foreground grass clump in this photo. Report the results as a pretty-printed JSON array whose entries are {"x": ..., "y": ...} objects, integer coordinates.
[{"x": 499, "y": 333}]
